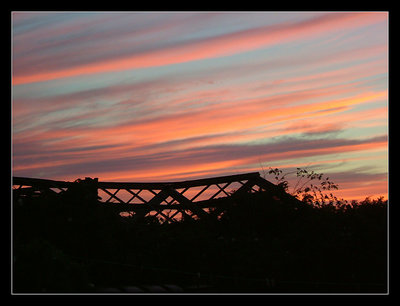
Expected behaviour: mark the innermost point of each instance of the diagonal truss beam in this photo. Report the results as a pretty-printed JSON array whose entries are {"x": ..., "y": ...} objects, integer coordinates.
[
  {"x": 185, "y": 202},
  {"x": 112, "y": 195},
  {"x": 221, "y": 189}
]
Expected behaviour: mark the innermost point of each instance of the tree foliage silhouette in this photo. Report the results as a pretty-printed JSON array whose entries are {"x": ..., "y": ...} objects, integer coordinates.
[{"x": 310, "y": 187}]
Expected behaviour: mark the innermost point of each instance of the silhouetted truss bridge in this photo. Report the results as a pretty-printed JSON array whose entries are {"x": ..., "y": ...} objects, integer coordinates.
[{"x": 168, "y": 201}]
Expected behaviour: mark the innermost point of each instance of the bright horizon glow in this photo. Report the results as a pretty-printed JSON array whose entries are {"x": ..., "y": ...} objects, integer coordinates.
[{"x": 167, "y": 96}]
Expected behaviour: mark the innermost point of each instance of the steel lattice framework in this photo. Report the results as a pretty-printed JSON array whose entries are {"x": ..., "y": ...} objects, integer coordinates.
[{"x": 169, "y": 201}]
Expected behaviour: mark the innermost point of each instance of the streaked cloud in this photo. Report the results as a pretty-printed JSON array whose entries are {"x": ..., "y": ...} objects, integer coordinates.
[
  {"x": 223, "y": 45},
  {"x": 162, "y": 96}
]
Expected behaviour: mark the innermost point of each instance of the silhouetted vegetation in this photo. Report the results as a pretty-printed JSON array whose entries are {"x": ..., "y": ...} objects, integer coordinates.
[{"x": 71, "y": 243}]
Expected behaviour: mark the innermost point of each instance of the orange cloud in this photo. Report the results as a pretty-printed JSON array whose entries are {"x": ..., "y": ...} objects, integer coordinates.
[
  {"x": 215, "y": 47},
  {"x": 359, "y": 190},
  {"x": 245, "y": 122}
]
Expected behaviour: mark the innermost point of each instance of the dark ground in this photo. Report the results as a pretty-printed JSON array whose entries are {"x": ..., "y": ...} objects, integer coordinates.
[{"x": 64, "y": 245}]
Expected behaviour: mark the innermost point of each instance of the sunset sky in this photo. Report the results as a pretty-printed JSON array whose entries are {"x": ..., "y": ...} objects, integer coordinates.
[{"x": 167, "y": 96}]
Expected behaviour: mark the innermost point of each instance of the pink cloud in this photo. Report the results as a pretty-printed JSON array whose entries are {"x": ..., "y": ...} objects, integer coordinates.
[{"x": 215, "y": 47}]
